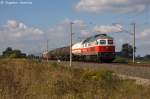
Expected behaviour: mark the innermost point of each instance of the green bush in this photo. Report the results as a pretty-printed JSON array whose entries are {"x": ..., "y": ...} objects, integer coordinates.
[{"x": 98, "y": 75}]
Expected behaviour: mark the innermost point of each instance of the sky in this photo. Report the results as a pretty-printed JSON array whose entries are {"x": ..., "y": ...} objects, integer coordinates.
[{"x": 28, "y": 24}]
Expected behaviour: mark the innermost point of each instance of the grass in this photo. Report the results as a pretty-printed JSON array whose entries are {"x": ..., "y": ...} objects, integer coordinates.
[
  {"x": 144, "y": 61},
  {"x": 31, "y": 79},
  {"x": 119, "y": 59}
]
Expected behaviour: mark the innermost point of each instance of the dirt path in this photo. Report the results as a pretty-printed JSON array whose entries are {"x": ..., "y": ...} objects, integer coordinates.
[{"x": 139, "y": 81}]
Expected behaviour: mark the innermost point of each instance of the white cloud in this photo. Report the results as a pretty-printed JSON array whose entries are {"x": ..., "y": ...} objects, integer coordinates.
[
  {"x": 143, "y": 38},
  {"x": 61, "y": 32},
  {"x": 108, "y": 29},
  {"x": 79, "y": 24},
  {"x": 15, "y": 31},
  {"x": 121, "y": 6},
  {"x": 20, "y": 36},
  {"x": 86, "y": 33},
  {"x": 12, "y": 24},
  {"x": 145, "y": 34}
]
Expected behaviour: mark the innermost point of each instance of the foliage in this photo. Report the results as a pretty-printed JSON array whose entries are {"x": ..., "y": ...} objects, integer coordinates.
[
  {"x": 10, "y": 53},
  {"x": 127, "y": 50},
  {"x": 98, "y": 75}
]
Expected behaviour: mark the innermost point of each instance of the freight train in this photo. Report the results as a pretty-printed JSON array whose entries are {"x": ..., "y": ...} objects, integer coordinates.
[{"x": 97, "y": 48}]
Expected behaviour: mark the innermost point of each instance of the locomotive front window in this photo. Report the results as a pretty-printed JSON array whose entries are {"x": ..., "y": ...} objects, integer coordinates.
[
  {"x": 110, "y": 41},
  {"x": 102, "y": 42}
]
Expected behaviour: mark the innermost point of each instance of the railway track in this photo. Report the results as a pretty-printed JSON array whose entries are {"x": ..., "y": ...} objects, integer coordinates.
[{"x": 134, "y": 70}]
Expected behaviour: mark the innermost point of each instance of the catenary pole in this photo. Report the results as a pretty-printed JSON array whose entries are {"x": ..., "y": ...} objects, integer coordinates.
[
  {"x": 71, "y": 23},
  {"x": 133, "y": 42},
  {"x": 47, "y": 50}
]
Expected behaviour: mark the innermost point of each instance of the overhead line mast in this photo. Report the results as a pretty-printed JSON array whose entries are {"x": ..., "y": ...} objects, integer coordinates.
[
  {"x": 47, "y": 49},
  {"x": 134, "y": 42},
  {"x": 71, "y": 23}
]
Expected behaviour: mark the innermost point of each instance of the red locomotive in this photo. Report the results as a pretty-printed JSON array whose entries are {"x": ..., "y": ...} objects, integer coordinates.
[{"x": 96, "y": 48}]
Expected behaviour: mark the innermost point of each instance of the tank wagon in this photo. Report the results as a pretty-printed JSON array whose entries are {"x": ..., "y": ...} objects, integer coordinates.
[{"x": 97, "y": 48}]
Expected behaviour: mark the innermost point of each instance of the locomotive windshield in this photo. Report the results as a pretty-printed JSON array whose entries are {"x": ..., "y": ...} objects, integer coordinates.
[
  {"x": 102, "y": 42},
  {"x": 110, "y": 41}
]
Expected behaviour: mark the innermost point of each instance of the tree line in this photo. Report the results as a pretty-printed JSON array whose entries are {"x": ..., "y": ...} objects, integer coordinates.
[
  {"x": 127, "y": 52},
  {"x": 13, "y": 53},
  {"x": 16, "y": 53}
]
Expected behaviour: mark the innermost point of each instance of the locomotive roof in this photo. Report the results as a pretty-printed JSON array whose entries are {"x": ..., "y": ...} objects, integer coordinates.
[{"x": 95, "y": 37}]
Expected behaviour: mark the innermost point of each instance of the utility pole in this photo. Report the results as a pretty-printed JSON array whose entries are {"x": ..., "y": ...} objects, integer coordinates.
[
  {"x": 133, "y": 42},
  {"x": 71, "y": 23},
  {"x": 134, "y": 30},
  {"x": 47, "y": 50}
]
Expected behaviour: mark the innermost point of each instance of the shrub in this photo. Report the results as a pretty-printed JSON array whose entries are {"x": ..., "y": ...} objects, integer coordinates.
[{"x": 98, "y": 75}]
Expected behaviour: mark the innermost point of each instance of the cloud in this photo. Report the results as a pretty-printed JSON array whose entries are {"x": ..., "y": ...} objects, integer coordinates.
[
  {"x": 142, "y": 38},
  {"x": 108, "y": 29},
  {"x": 121, "y": 6},
  {"x": 20, "y": 36},
  {"x": 144, "y": 35},
  {"x": 14, "y": 31},
  {"x": 59, "y": 35},
  {"x": 79, "y": 24}
]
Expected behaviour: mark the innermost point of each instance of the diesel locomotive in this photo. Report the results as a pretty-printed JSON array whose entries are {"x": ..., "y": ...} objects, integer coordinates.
[{"x": 96, "y": 48}]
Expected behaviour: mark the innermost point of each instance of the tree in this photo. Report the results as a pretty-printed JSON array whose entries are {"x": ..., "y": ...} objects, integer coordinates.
[
  {"x": 7, "y": 52},
  {"x": 127, "y": 50},
  {"x": 10, "y": 53}
]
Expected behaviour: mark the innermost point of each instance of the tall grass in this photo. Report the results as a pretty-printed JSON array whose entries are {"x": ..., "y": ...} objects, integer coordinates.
[{"x": 26, "y": 79}]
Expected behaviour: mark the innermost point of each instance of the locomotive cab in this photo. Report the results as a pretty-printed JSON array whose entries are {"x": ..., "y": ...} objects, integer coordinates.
[{"x": 106, "y": 49}]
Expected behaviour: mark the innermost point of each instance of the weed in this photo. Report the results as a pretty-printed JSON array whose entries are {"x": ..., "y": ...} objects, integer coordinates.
[{"x": 30, "y": 79}]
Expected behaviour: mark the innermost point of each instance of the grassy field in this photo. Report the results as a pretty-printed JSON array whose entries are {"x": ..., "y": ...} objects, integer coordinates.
[
  {"x": 130, "y": 60},
  {"x": 28, "y": 79}
]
